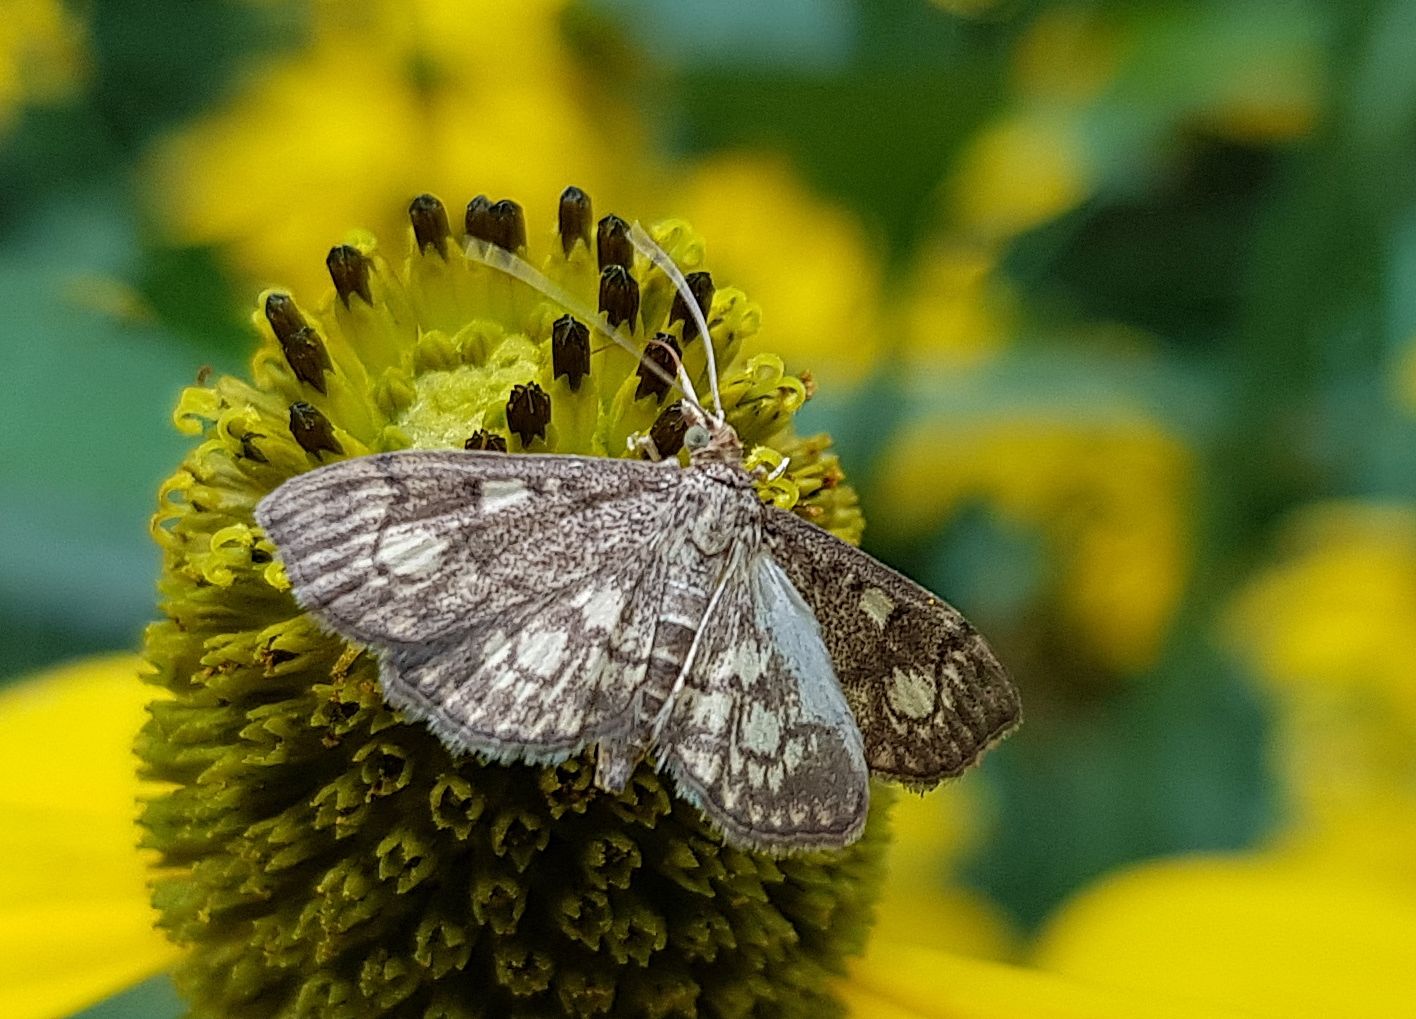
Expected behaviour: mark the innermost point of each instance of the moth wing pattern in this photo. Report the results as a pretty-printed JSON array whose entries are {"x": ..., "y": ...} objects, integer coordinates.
[
  {"x": 761, "y": 738},
  {"x": 413, "y": 546},
  {"x": 516, "y": 625},
  {"x": 544, "y": 680},
  {"x": 924, "y": 686}
]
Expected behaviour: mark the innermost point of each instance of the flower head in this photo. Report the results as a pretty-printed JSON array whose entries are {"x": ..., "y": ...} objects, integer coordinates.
[{"x": 323, "y": 855}]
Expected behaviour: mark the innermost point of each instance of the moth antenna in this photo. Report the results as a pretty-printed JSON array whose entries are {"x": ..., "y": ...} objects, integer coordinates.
[
  {"x": 647, "y": 247},
  {"x": 504, "y": 261}
]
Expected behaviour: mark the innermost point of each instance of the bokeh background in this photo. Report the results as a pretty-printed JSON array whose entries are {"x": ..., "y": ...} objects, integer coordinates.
[{"x": 1112, "y": 308}]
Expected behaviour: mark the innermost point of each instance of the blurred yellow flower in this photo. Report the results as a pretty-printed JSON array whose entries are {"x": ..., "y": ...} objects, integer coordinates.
[
  {"x": 808, "y": 262},
  {"x": 955, "y": 311},
  {"x": 75, "y": 925},
  {"x": 919, "y": 903},
  {"x": 1068, "y": 54},
  {"x": 1019, "y": 172},
  {"x": 1329, "y": 626},
  {"x": 42, "y": 54},
  {"x": 1267, "y": 937},
  {"x": 1113, "y": 499},
  {"x": 390, "y": 99}
]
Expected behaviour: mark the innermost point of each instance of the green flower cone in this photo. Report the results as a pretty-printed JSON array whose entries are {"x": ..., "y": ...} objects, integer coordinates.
[{"x": 323, "y": 857}]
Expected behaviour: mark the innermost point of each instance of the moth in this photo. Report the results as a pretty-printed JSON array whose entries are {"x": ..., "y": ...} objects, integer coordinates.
[{"x": 529, "y": 607}]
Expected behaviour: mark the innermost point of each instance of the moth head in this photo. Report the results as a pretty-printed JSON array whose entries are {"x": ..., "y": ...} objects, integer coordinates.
[{"x": 709, "y": 437}]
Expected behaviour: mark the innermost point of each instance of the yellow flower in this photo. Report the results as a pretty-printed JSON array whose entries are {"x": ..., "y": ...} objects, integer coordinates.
[
  {"x": 42, "y": 55},
  {"x": 75, "y": 925},
  {"x": 1265, "y": 936},
  {"x": 1111, "y": 497},
  {"x": 1328, "y": 627},
  {"x": 1019, "y": 172},
  {"x": 815, "y": 273},
  {"x": 955, "y": 311},
  {"x": 323, "y": 853},
  {"x": 389, "y": 99}
]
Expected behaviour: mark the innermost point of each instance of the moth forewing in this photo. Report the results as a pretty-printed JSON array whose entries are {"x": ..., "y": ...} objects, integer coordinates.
[{"x": 924, "y": 687}]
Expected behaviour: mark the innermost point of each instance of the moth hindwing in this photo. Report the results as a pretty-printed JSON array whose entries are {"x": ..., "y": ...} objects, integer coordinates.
[{"x": 529, "y": 607}]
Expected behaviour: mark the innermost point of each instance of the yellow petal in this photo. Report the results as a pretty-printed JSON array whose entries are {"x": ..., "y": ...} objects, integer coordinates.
[
  {"x": 917, "y": 981},
  {"x": 75, "y": 925},
  {"x": 1265, "y": 936}
]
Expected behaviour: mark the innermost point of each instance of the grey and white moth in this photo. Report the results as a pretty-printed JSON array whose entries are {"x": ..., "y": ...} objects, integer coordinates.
[{"x": 528, "y": 607}]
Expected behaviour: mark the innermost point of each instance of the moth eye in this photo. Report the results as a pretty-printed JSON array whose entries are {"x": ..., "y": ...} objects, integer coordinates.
[{"x": 696, "y": 437}]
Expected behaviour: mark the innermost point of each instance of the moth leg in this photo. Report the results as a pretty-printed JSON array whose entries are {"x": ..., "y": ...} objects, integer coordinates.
[{"x": 615, "y": 763}]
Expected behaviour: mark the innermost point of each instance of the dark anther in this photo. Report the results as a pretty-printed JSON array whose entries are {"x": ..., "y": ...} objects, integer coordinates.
[
  {"x": 478, "y": 220},
  {"x": 284, "y": 316},
  {"x": 485, "y": 440},
  {"x": 619, "y": 296},
  {"x": 302, "y": 345},
  {"x": 663, "y": 352},
  {"x": 612, "y": 242},
  {"x": 430, "y": 226},
  {"x": 307, "y": 356},
  {"x": 667, "y": 430},
  {"x": 574, "y": 218},
  {"x": 570, "y": 350},
  {"x": 700, "y": 285},
  {"x": 528, "y": 411},
  {"x": 508, "y": 225},
  {"x": 312, "y": 430},
  {"x": 350, "y": 271},
  {"x": 249, "y": 449}
]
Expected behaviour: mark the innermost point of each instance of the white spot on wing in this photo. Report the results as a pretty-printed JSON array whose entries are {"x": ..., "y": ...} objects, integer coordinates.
[
  {"x": 410, "y": 551},
  {"x": 761, "y": 732},
  {"x": 876, "y": 604},
  {"x": 541, "y": 652},
  {"x": 911, "y": 694},
  {"x": 499, "y": 495}
]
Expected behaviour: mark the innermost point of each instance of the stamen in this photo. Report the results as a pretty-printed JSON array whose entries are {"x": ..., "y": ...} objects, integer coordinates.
[
  {"x": 508, "y": 225},
  {"x": 570, "y": 350},
  {"x": 663, "y": 351},
  {"x": 250, "y": 450},
  {"x": 307, "y": 357},
  {"x": 349, "y": 270},
  {"x": 528, "y": 411},
  {"x": 504, "y": 261},
  {"x": 619, "y": 296},
  {"x": 650, "y": 250},
  {"x": 304, "y": 350},
  {"x": 668, "y": 429},
  {"x": 430, "y": 227},
  {"x": 574, "y": 222},
  {"x": 284, "y": 316},
  {"x": 612, "y": 243},
  {"x": 485, "y": 440},
  {"x": 700, "y": 285},
  {"x": 312, "y": 430},
  {"x": 477, "y": 220}
]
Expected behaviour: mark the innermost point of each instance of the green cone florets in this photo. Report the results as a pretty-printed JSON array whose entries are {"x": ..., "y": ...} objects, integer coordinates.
[{"x": 323, "y": 857}]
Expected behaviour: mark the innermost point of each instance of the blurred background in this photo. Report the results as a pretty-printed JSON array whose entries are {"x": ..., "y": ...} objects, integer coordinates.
[{"x": 1112, "y": 308}]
